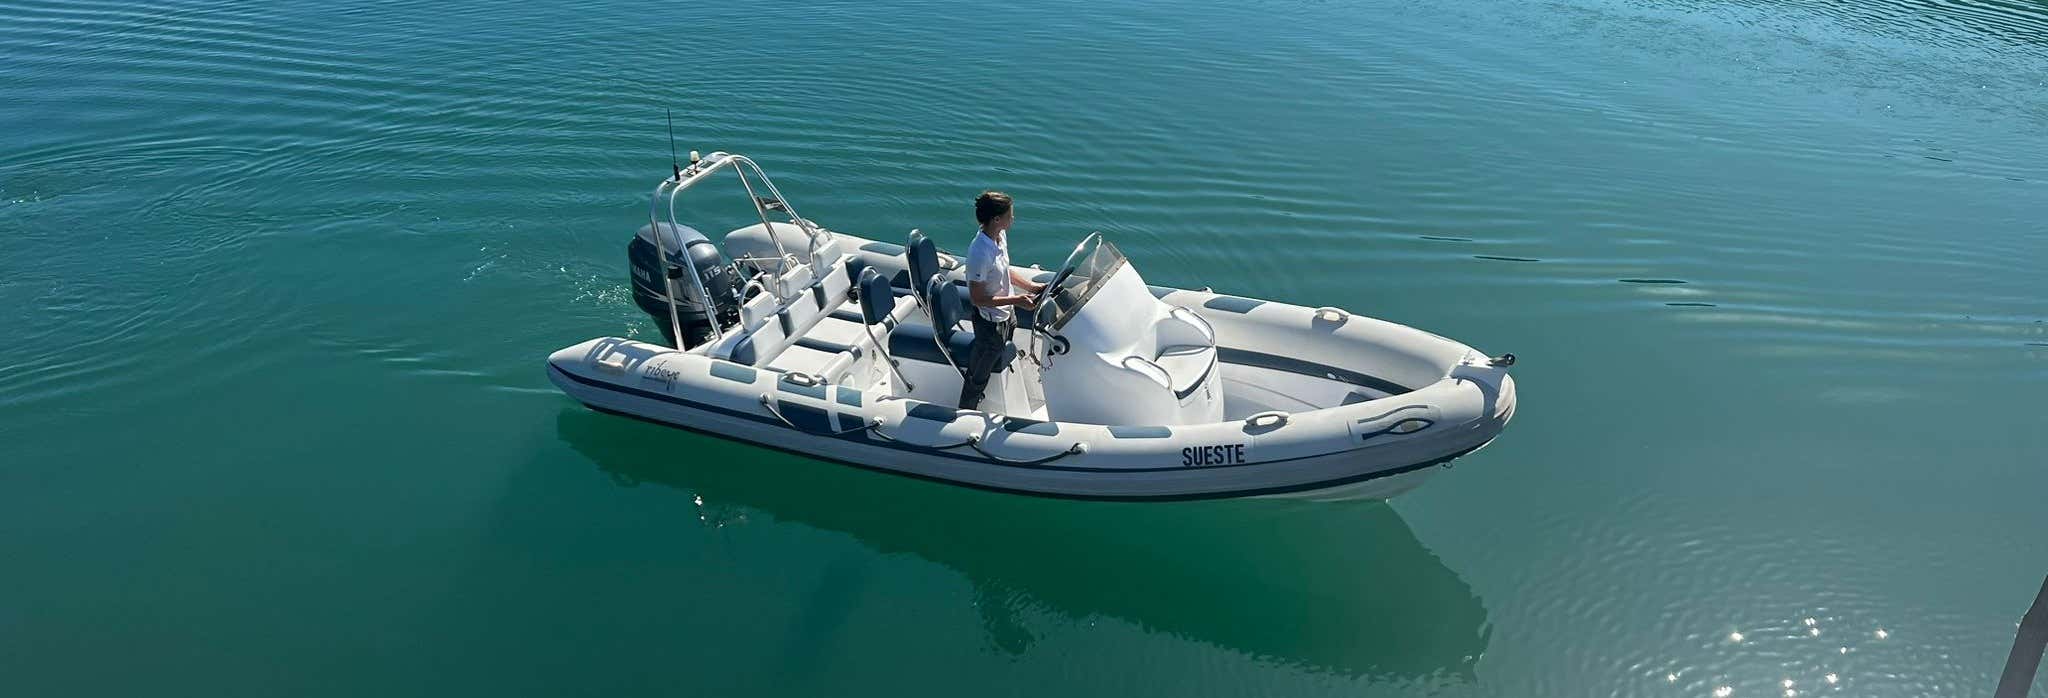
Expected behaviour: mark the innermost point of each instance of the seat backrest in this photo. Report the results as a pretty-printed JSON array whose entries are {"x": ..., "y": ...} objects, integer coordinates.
[
  {"x": 944, "y": 306},
  {"x": 876, "y": 300},
  {"x": 923, "y": 257},
  {"x": 855, "y": 268},
  {"x": 795, "y": 280},
  {"x": 769, "y": 328},
  {"x": 757, "y": 310}
]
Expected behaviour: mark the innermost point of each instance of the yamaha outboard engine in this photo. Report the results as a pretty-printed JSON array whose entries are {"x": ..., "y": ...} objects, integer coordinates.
[{"x": 684, "y": 245}]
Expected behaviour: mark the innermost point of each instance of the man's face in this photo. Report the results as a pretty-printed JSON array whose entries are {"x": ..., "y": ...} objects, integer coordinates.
[{"x": 1003, "y": 222}]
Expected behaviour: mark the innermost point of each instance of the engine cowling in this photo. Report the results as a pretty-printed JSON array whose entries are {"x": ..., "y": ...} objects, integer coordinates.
[{"x": 684, "y": 246}]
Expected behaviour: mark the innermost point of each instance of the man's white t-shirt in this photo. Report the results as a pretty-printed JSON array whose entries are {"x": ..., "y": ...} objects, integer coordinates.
[{"x": 988, "y": 262}]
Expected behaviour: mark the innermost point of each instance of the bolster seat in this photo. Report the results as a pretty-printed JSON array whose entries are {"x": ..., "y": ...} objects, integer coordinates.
[
  {"x": 916, "y": 342},
  {"x": 921, "y": 342}
]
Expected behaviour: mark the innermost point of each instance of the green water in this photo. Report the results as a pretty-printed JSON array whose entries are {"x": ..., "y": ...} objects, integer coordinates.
[{"x": 277, "y": 280}]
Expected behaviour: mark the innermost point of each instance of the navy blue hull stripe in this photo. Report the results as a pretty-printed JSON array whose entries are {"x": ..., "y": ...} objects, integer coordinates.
[
  {"x": 1184, "y": 497},
  {"x": 861, "y": 437}
]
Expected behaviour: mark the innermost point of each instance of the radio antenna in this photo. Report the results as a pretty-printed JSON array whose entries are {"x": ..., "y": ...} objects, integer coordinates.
[{"x": 672, "y": 161}]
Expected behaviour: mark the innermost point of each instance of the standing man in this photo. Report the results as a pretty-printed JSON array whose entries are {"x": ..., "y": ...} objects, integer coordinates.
[{"x": 992, "y": 286}]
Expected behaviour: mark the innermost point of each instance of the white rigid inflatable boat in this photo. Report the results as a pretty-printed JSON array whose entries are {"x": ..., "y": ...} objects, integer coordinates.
[{"x": 845, "y": 348}]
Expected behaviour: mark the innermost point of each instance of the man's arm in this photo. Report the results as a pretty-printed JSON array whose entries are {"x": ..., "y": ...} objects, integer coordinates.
[
  {"x": 983, "y": 295},
  {"x": 1020, "y": 280}
]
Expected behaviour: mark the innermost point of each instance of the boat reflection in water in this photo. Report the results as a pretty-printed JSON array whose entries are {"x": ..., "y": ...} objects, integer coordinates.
[{"x": 1341, "y": 588}]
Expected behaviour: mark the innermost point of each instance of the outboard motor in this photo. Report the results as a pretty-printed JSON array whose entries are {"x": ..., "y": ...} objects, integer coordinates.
[{"x": 684, "y": 245}]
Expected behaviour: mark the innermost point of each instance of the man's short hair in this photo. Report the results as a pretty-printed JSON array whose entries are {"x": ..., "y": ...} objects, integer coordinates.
[{"x": 990, "y": 204}]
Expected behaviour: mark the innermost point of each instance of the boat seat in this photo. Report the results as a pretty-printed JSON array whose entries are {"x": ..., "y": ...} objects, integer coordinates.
[
  {"x": 803, "y": 359},
  {"x": 756, "y": 310},
  {"x": 795, "y": 280},
  {"x": 851, "y": 312},
  {"x": 770, "y": 329},
  {"x": 842, "y": 332},
  {"x": 756, "y": 347},
  {"x": 923, "y": 259},
  {"x": 829, "y": 347},
  {"x": 841, "y": 335},
  {"x": 876, "y": 304},
  {"x": 921, "y": 342},
  {"x": 837, "y": 331},
  {"x": 855, "y": 267},
  {"x": 915, "y": 342},
  {"x": 957, "y": 289}
]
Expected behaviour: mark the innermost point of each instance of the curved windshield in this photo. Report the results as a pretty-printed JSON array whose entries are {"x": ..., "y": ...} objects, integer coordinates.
[{"x": 1095, "y": 268}]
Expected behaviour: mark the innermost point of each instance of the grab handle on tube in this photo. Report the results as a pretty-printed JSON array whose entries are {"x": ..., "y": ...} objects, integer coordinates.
[{"x": 1263, "y": 420}]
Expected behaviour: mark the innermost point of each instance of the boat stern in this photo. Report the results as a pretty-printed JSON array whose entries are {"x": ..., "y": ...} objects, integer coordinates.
[{"x": 604, "y": 359}]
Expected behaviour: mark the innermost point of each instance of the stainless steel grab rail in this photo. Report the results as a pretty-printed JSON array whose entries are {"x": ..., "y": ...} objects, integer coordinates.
[{"x": 702, "y": 168}]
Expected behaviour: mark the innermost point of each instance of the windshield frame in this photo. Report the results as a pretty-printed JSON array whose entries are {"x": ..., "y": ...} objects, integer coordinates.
[{"x": 1073, "y": 296}]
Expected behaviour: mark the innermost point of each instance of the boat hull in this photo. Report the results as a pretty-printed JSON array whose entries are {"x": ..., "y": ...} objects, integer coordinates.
[
  {"x": 1317, "y": 402},
  {"x": 1142, "y": 471}
]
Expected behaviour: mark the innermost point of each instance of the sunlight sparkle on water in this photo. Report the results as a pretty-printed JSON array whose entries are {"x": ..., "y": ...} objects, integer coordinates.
[
  {"x": 1723, "y": 692},
  {"x": 1734, "y": 637},
  {"x": 1831, "y": 678},
  {"x": 1881, "y": 634}
]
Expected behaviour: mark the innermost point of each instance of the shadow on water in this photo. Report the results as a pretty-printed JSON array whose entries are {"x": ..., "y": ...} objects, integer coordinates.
[{"x": 1342, "y": 588}]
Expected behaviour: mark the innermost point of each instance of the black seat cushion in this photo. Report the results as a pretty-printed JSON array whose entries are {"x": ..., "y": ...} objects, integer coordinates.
[
  {"x": 855, "y": 267},
  {"x": 915, "y": 343},
  {"x": 743, "y": 351},
  {"x": 876, "y": 302},
  {"x": 944, "y": 306},
  {"x": 922, "y": 257},
  {"x": 1026, "y": 319}
]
